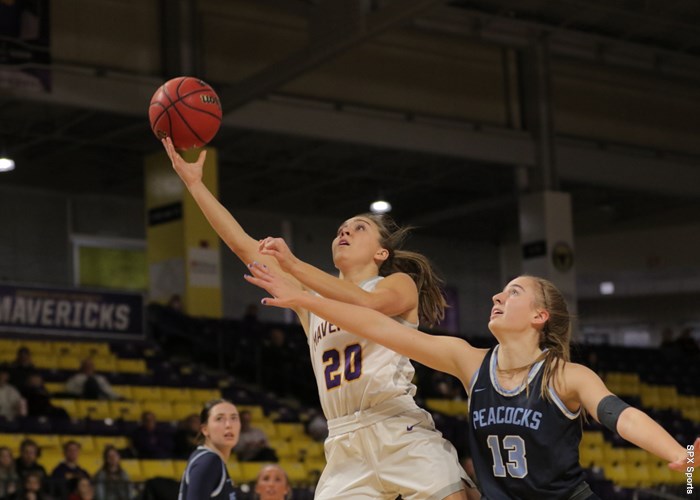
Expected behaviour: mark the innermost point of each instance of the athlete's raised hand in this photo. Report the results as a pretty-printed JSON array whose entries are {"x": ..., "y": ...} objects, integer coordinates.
[
  {"x": 687, "y": 459},
  {"x": 190, "y": 173},
  {"x": 277, "y": 248},
  {"x": 284, "y": 292}
]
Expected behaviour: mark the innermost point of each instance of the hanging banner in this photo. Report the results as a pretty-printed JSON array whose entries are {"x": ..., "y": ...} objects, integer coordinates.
[{"x": 57, "y": 310}]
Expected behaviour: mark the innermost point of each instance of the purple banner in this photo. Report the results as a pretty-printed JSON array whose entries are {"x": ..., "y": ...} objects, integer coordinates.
[{"x": 57, "y": 310}]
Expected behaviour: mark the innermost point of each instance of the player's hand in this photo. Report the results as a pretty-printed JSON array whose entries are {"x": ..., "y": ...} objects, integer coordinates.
[
  {"x": 277, "y": 248},
  {"x": 190, "y": 173},
  {"x": 682, "y": 463},
  {"x": 284, "y": 292}
]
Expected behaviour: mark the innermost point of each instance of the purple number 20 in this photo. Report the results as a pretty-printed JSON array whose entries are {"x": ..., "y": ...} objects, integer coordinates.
[{"x": 352, "y": 367}]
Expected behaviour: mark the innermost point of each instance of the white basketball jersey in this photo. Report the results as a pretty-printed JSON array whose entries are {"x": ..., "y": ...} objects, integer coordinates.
[{"x": 353, "y": 373}]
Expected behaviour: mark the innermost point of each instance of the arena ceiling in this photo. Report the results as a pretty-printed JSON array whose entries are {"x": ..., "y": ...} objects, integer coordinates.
[{"x": 83, "y": 149}]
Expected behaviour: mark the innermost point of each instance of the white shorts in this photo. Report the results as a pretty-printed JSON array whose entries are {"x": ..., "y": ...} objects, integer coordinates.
[{"x": 402, "y": 454}]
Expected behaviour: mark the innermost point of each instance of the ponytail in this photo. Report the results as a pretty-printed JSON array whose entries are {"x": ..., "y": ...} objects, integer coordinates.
[{"x": 431, "y": 301}]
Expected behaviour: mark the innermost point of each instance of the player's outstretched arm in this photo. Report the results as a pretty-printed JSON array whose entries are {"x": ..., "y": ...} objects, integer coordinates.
[
  {"x": 447, "y": 354},
  {"x": 393, "y": 296},
  {"x": 225, "y": 225},
  {"x": 630, "y": 423}
]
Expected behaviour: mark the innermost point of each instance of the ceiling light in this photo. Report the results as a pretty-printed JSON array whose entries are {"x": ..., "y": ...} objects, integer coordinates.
[
  {"x": 6, "y": 164},
  {"x": 380, "y": 207}
]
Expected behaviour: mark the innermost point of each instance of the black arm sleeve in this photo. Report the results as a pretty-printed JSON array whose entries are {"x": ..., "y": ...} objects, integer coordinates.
[{"x": 205, "y": 476}]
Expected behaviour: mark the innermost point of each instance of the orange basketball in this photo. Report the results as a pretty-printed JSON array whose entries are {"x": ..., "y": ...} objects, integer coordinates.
[{"x": 187, "y": 110}]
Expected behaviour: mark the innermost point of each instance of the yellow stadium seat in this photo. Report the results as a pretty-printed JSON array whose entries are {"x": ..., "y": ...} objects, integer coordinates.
[
  {"x": 119, "y": 442},
  {"x": 203, "y": 395},
  {"x": 123, "y": 390},
  {"x": 639, "y": 475},
  {"x": 126, "y": 410},
  {"x": 7, "y": 356},
  {"x": 54, "y": 387},
  {"x": 289, "y": 430},
  {"x": 71, "y": 363},
  {"x": 132, "y": 467},
  {"x": 180, "y": 466},
  {"x": 70, "y": 405},
  {"x": 611, "y": 454},
  {"x": 50, "y": 458},
  {"x": 234, "y": 470},
  {"x": 158, "y": 468},
  {"x": 105, "y": 364},
  {"x": 45, "y": 361},
  {"x": 314, "y": 468},
  {"x": 94, "y": 349},
  {"x": 267, "y": 426},
  {"x": 41, "y": 347},
  {"x": 87, "y": 444},
  {"x": 250, "y": 470},
  {"x": 91, "y": 462},
  {"x": 183, "y": 409},
  {"x": 651, "y": 398},
  {"x": 439, "y": 405},
  {"x": 146, "y": 393},
  {"x": 458, "y": 407},
  {"x": 12, "y": 441},
  {"x": 283, "y": 448},
  {"x": 163, "y": 410},
  {"x": 256, "y": 412},
  {"x": 174, "y": 394},
  {"x": 296, "y": 472},
  {"x": 591, "y": 455},
  {"x": 638, "y": 456},
  {"x": 660, "y": 473},
  {"x": 47, "y": 442},
  {"x": 308, "y": 449},
  {"x": 132, "y": 366},
  {"x": 93, "y": 409},
  {"x": 616, "y": 472},
  {"x": 592, "y": 438}
]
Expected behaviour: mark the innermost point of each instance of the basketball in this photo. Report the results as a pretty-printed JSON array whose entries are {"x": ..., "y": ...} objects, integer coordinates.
[{"x": 187, "y": 110}]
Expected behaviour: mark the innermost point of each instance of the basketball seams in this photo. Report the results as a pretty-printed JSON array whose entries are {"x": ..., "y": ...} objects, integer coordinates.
[{"x": 189, "y": 119}]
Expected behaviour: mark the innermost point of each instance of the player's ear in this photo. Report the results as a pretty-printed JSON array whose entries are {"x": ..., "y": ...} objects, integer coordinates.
[{"x": 382, "y": 254}]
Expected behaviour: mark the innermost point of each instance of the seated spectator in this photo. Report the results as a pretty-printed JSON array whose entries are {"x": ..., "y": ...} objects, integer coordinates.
[
  {"x": 68, "y": 470},
  {"x": 150, "y": 442},
  {"x": 687, "y": 344},
  {"x": 186, "y": 436},
  {"x": 252, "y": 442},
  {"x": 273, "y": 484},
  {"x": 39, "y": 400},
  {"x": 21, "y": 368},
  {"x": 11, "y": 403},
  {"x": 111, "y": 481},
  {"x": 89, "y": 385},
  {"x": 31, "y": 489},
  {"x": 26, "y": 463},
  {"x": 81, "y": 489},
  {"x": 9, "y": 480}
]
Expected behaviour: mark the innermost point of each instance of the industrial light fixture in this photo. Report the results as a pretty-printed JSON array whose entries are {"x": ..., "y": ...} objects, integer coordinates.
[
  {"x": 6, "y": 164},
  {"x": 380, "y": 206}
]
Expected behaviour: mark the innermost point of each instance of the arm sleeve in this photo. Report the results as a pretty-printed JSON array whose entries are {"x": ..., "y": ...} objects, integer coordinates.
[{"x": 204, "y": 477}]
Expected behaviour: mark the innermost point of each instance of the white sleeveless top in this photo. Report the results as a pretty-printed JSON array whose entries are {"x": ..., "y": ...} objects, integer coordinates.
[{"x": 353, "y": 373}]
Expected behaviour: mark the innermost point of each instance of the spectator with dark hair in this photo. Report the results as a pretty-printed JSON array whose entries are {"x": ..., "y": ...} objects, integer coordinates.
[
  {"x": 11, "y": 403},
  {"x": 252, "y": 444},
  {"x": 26, "y": 463},
  {"x": 686, "y": 343},
  {"x": 88, "y": 384},
  {"x": 31, "y": 488},
  {"x": 39, "y": 400},
  {"x": 150, "y": 442},
  {"x": 111, "y": 481},
  {"x": 81, "y": 489},
  {"x": 68, "y": 470},
  {"x": 21, "y": 368},
  {"x": 9, "y": 480},
  {"x": 186, "y": 436}
]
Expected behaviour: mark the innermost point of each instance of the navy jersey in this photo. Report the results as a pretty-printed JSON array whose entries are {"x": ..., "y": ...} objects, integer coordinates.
[
  {"x": 206, "y": 477},
  {"x": 522, "y": 445}
]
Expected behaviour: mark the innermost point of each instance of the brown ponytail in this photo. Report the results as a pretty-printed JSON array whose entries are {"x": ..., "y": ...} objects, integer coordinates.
[{"x": 431, "y": 301}]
